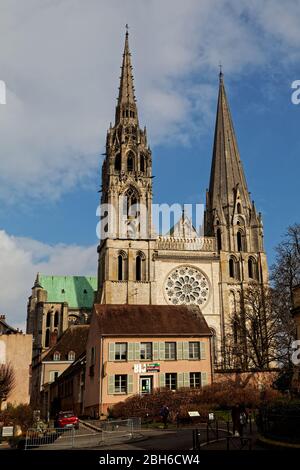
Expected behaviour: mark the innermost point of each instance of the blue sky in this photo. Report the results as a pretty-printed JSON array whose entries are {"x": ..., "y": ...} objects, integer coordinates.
[{"x": 61, "y": 91}]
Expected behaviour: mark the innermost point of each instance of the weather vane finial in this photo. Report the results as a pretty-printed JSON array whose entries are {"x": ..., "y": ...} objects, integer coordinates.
[
  {"x": 221, "y": 71},
  {"x": 127, "y": 28}
]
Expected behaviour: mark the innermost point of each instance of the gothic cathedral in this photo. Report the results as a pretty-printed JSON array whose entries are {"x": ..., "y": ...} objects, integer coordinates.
[{"x": 136, "y": 266}]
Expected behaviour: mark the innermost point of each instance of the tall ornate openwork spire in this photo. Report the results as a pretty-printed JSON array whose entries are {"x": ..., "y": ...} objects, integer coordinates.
[
  {"x": 126, "y": 109},
  {"x": 227, "y": 174}
]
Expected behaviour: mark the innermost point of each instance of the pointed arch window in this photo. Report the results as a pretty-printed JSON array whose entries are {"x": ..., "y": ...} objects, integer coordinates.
[
  {"x": 132, "y": 202},
  {"x": 130, "y": 161},
  {"x": 118, "y": 162},
  {"x": 56, "y": 319},
  {"x": 239, "y": 240},
  {"x": 122, "y": 266},
  {"x": 252, "y": 269},
  {"x": 47, "y": 338},
  {"x": 234, "y": 268},
  {"x": 219, "y": 239},
  {"x": 48, "y": 319},
  {"x": 239, "y": 208},
  {"x": 140, "y": 267},
  {"x": 214, "y": 346},
  {"x": 142, "y": 163}
]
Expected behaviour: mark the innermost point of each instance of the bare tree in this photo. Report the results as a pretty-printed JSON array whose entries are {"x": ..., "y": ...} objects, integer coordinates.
[
  {"x": 7, "y": 381},
  {"x": 285, "y": 274},
  {"x": 253, "y": 334}
]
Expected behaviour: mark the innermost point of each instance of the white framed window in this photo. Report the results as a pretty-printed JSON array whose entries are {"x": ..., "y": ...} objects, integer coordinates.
[
  {"x": 194, "y": 350},
  {"x": 171, "y": 381},
  {"x": 53, "y": 375},
  {"x": 120, "y": 351},
  {"x": 146, "y": 351},
  {"x": 71, "y": 356},
  {"x": 121, "y": 383},
  {"x": 195, "y": 379},
  {"x": 170, "y": 350},
  {"x": 56, "y": 356}
]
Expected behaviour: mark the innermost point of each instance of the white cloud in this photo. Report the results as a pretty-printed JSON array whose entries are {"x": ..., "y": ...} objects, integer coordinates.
[
  {"x": 22, "y": 258},
  {"x": 60, "y": 61}
]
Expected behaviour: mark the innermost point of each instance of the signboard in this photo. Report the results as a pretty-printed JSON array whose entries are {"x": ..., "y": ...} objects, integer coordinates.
[
  {"x": 144, "y": 368},
  {"x": 193, "y": 414},
  {"x": 211, "y": 416},
  {"x": 153, "y": 367},
  {"x": 7, "y": 431}
]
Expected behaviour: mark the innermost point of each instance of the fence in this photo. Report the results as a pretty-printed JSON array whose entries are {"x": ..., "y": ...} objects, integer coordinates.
[
  {"x": 103, "y": 432},
  {"x": 215, "y": 431},
  {"x": 59, "y": 437}
]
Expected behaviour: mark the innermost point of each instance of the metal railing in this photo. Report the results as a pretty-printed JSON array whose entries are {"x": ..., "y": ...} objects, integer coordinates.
[{"x": 59, "y": 437}]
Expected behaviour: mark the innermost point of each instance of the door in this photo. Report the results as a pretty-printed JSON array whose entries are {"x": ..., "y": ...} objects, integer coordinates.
[{"x": 145, "y": 384}]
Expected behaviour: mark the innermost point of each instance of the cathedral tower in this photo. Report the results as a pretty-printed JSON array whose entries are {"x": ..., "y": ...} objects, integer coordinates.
[
  {"x": 126, "y": 199},
  {"x": 231, "y": 217}
]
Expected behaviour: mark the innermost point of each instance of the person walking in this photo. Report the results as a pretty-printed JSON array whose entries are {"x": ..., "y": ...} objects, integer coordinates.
[{"x": 164, "y": 413}]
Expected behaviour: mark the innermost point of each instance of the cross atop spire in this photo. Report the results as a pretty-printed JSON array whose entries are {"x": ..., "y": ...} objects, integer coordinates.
[{"x": 126, "y": 106}]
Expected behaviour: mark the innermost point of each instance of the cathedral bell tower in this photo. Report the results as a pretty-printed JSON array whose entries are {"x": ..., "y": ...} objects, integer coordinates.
[
  {"x": 231, "y": 218},
  {"x": 126, "y": 193}
]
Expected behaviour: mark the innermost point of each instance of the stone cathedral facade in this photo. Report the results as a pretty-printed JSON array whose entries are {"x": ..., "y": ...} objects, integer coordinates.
[{"x": 179, "y": 267}]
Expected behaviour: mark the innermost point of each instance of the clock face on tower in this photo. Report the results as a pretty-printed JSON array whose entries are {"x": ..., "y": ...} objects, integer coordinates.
[{"x": 186, "y": 285}]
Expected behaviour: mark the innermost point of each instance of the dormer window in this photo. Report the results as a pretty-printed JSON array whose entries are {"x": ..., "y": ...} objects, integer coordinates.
[
  {"x": 71, "y": 356},
  {"x": 56, "y": 356}
]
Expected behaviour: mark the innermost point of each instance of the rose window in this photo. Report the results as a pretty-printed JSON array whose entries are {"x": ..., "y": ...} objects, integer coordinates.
[{"x": 186, "y": 285}]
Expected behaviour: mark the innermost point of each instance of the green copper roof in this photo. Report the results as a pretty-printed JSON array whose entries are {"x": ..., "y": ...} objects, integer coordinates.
[{"x": 77, "y": 291}]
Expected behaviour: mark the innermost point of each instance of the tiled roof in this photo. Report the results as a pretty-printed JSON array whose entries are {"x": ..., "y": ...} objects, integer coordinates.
[
  {"x": 77, "y": 291},
  {"x": 151, "y": 320},
  {"x": 73, "y": 339}
]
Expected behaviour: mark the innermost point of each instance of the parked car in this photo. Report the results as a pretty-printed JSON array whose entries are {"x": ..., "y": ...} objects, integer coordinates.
[{"x": 66, "y": 419}]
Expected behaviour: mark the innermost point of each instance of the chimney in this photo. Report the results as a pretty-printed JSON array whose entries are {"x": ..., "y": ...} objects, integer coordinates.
[{"x": 2, "y": 317}]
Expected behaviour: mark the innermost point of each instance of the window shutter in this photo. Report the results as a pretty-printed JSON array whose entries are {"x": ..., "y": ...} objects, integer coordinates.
[
  {"x": 179, "y": 350},
  {"x": 202, "y": 350},
  {"x": 203, "y": 379},
  {"x": 111, "y": 384},
  {"x": 180, "y": 380},
  {"x": 162, "y": 347},
  {"x": 137, "y": 351},
  {"x": 111, "y": 351},
  {"x": 185, "y": 350},
  {"x": 186, "y": 379},
  {"x": 155, "y": 351},
  {"x": 129, "y": 383},
  {"x": 130, "y": 351},
  {"x": 162, "y": 380}
]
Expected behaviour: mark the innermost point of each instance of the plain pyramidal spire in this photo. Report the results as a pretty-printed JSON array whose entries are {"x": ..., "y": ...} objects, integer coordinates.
[
  {"x": 126, "y": 106},
  {"x": 227, "y": 174}
]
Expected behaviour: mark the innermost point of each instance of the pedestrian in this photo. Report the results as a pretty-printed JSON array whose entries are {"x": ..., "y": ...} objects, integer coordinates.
[
  {"x": 235, "y": 416},
  {"x": 243, "y": 418},
  {"x": 164, "y": 413}
]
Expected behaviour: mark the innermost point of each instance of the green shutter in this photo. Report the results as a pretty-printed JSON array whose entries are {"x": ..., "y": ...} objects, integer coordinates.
[
  {"x": 129, "y": 383},
  {"x": 203, "y": 379},
  {"x": 137, "y": 351},
  {"x": 111, "y": 384},
  {"x": 162, "y": 350},
  {"x": 179, "y": 350},
  {"x": 180, "y": 380},
  {"x": 185, "y": 350},
  {"x": 162, "y": 380},
  {"x": 186, "y": 379},
  {"x": 130, "y": 350},
  {"x": 155, "y": 351},
  {"x": 111, "y": 351},
  {"x": 202, "y": 350}
]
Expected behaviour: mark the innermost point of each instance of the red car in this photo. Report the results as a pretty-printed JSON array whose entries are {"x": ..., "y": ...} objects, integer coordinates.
[{"x": 66, "y": 419}]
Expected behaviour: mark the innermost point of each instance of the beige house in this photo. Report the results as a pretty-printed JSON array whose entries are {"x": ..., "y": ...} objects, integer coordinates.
[
  {"x": 54, "y": 362},
  {"x": 134, "y": 349},
  {"x": 16, "y": 350}
]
